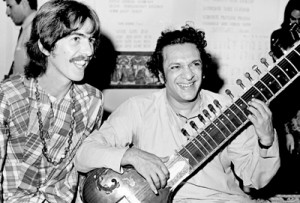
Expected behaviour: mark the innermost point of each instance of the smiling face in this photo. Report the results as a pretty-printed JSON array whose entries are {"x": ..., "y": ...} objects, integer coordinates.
[
  {"x": 71, "y": 55},
  {"x": 183, "y": 72}
]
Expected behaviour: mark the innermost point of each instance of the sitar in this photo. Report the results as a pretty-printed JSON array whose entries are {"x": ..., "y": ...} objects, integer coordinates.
[{"x": 104, "y": 185}]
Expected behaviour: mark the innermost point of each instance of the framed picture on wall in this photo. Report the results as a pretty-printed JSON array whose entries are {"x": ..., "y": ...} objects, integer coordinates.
[{"x": 131, "y": 71}]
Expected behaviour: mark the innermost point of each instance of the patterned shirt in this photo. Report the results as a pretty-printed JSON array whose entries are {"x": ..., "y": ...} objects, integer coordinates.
[{"x": 26, "y": 175}]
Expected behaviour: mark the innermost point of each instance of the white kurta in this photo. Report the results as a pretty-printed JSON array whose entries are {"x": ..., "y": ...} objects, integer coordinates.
[{"x": 150, "y": 124}]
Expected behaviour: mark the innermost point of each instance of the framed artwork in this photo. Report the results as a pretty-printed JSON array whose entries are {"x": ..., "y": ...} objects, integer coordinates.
[{"x": 131, "y": 71}]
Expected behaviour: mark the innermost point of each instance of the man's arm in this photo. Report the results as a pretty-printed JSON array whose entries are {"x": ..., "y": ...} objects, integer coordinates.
[
  {"x": 110, "y": 147},
  {"x": 255, "y": 152}
]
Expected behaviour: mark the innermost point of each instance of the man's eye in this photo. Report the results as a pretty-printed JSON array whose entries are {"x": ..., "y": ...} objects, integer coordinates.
[
  {"x": 92, "y": 40},
  {"x": 197, "y": 64},
  {"x": 76, "y": 39},
  {"x": 174, "y": 67}
]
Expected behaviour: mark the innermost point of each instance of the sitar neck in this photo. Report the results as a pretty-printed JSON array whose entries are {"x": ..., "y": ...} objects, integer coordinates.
[{"x": 222, "y": 128}]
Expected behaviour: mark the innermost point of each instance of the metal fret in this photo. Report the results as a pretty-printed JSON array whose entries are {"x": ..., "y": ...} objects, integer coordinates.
[
  {"x": 187, "y": 154},
  {"x": 253, "y": 92},
  {"x": 228, "y": 122},
  {"x": 235, "y": 116},
  {"x": 287, "y": 58},
  {"x": 193, "y": 142},
  {"x": 287, "y": 68},
  {"x": 206, "y": 134},
  {"x": 201, "y": 137},
  {"x": 240, "y": 107},
  {"x": 229, "y": 132},
  {"x": 271, "y": 83},
  {"x": 268, "y": 78},
  {"x": 213, "y": 127},
  {"x": 194, "y": 126},
  {"x": 260, "y": 90},
  {"x": 275, "y": 80},
  {"x": 280, "y": 75}
]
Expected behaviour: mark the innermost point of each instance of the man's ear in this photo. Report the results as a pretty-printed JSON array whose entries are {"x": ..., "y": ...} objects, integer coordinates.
[{"x": 42, "y": 49}]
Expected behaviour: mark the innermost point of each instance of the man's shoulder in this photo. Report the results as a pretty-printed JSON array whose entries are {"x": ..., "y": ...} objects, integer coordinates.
[
  {"x": 13, "y": 82},
  {"x": 140, "y": 105},
  {"x": 14, "y": 88},
  {"x": 144, "y": 101},
  {"x": 150, "y": 97}
]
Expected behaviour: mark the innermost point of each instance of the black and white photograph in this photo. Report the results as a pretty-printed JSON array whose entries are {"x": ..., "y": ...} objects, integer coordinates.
[{"x": 150, "y": 101}]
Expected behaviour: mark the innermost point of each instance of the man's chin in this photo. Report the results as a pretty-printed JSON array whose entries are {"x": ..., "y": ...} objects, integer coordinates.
[
  {"x": 78, "y": 78},
  {"x": 189, "y": 98}
]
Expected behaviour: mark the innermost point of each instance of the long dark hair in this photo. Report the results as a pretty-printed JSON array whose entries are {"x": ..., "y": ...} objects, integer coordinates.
[
  {"x": 186, "y": 35},
  {"x": 55, "y": 20},
  {"x": 290, "y": 6}
]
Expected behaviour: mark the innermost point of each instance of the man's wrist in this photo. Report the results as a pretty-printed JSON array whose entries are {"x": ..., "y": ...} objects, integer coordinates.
[{"x": 262, "y": 146}]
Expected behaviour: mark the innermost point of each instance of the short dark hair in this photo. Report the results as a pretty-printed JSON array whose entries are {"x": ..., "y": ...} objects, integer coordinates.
[
  {"x": 32, "y": 3},
  {"x": 55, "y": 20},
  {"x": 187, "y": 34}
]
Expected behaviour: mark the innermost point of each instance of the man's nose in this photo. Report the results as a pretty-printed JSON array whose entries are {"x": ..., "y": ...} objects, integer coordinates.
[
  {"x": 87, "y": 48},
  {"x": 7, "y": 12},
  {"x": 188, "y": 73}
]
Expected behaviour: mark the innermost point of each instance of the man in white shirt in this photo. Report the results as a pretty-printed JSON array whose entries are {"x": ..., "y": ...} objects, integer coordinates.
[
  {"x": 22, "y": 13},
  {"x": 149, "y": 131}
]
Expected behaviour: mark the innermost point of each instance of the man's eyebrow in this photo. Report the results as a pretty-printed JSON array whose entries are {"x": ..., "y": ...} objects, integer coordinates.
[
  {"x": 77, "y": 33},
  {"x": 80, "y": 34}
]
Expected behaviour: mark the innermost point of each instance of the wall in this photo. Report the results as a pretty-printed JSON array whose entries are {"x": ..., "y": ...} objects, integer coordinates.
[{"x": 237, "y": 31}]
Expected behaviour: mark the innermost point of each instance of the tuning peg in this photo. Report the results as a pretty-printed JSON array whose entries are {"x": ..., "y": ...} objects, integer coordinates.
[
  {"x": 271, "y": 53},
  {"x": 228, "y": 92},
  {"x": 256, "y": 69},
  {"x": 185, "y": 133},
  {"x": 240, "y": 83},
  {"x": 248, "y": 76},
  {"x": 194, "y": 126},
  {"x": 206, "y": 114},
  {"x": 217, "y": 104},
  {"x": 212, "y": 109},
  {"x": 201, "y": 118},
  {"x": 264, "y": 61}
]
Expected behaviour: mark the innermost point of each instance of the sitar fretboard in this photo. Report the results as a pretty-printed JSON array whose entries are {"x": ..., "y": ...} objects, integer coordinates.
[{"x": 219, "y": 131}]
